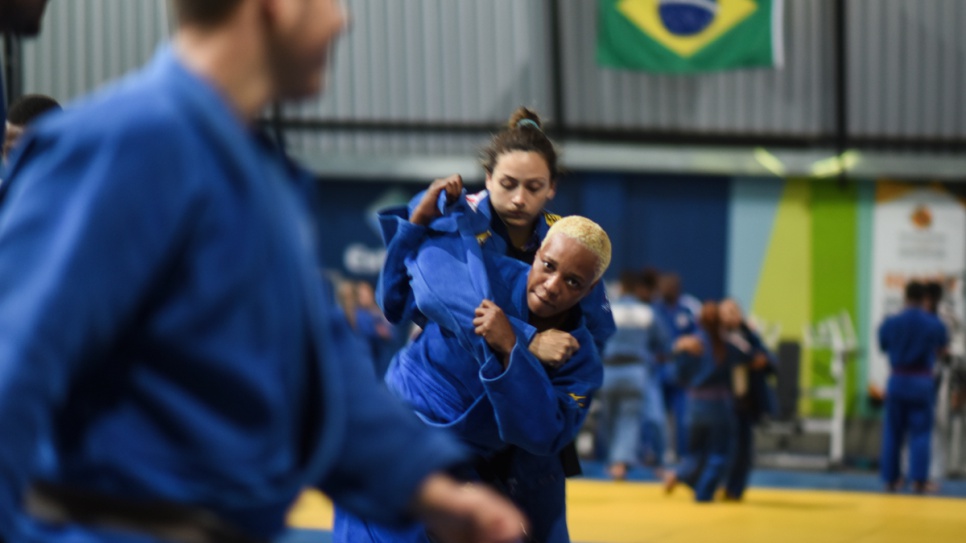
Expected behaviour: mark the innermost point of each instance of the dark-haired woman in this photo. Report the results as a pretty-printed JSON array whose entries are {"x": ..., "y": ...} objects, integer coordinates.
[
  {"x": 703, "y": 366},
  {"x": 522, "y": 171},
  {"x": 521, "y": 165}
]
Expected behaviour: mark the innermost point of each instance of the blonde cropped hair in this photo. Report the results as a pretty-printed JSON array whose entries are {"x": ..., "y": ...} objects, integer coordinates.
[{"x": 587, "y": 233}]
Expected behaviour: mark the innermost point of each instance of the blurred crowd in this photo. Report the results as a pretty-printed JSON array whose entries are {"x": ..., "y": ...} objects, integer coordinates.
[{"x": 684, "y": 383}]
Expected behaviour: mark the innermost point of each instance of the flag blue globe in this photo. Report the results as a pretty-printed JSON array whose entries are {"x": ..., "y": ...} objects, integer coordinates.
[{"x": 687, "y": 17}]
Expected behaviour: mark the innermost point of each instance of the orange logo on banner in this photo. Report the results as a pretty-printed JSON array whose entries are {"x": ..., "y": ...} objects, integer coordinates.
[{"x": 921, "y": 217}]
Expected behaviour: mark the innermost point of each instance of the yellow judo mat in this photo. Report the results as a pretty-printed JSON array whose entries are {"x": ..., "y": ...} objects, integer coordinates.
[{"x": 607, "y": 512}]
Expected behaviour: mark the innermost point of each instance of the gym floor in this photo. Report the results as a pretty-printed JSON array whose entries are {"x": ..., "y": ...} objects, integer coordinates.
[{"x": 784, "y": 506}]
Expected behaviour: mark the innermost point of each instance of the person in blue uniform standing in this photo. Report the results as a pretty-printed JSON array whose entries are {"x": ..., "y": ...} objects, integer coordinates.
[
  {"x": 703, "y": 365},
  {"x": 679, "y": 321},
  {"x": 912, "y": 339},
  {"x": 754, "y": 402},
  {"x": 170, "y": 344},
  {"x": 475, "y": 370}
]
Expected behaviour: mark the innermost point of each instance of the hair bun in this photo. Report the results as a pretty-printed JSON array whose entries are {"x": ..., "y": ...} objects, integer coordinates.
[{"x": 524, "y": 114}]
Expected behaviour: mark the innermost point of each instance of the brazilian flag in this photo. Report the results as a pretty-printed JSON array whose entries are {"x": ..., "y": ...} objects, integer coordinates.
[{"x": 681, "y": 36}]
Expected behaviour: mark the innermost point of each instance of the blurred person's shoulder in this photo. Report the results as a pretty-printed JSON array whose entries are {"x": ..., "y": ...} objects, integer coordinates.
[
  {"x": 140, "y": 105},
  {"x": 140, "y": 124}
]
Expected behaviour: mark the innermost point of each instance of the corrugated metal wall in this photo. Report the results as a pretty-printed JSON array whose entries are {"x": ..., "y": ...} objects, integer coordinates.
[
  {"x": 907, "y": 68},
  {"x": 85, "y": 43},
  {"x": 471, "y": 62},
  {"x": 435, "y": 61}
]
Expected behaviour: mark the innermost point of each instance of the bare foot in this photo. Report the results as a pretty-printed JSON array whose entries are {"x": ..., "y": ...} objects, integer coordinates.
[
  {"x": 618, "y": 471},
  {"x": 925, "y": 487},
  {"x": 670, "y": 481}
]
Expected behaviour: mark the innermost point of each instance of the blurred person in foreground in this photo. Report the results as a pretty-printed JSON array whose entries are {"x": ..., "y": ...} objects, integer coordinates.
[{"x": 172, "y": 342}]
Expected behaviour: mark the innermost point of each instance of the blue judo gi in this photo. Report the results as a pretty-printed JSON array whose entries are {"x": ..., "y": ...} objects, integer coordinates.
[
  {"x": 678, "y": 321},
  {"x": 912, "y": 339},
  {"x": 453, "y": 380},
  {"x": 493, "y": 236},
  {"x": 760, "y": 400},
  {"x": 164, "y": 331},
  {"x": 709, "y": 419},
  {"x": 630, "y": 393}
]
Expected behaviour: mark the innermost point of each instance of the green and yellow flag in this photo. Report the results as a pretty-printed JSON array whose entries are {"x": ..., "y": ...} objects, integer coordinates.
[{"x": 680, "y": 36}]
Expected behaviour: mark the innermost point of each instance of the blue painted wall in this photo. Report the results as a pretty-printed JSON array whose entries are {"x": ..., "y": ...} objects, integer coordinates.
[{"x": 677, "y": 223}]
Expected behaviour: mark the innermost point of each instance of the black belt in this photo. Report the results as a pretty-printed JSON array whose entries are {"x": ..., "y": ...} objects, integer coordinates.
[
  {"x": 159, "y": 519},
  {"x": 913, "y": 371},
  {"x": 623, "y": 360}
]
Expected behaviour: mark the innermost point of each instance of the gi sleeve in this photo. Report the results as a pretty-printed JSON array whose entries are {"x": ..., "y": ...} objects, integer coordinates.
[
  {"x": 402, "y": 240},
  {"x": 83, "y": 237},
  {"x": 538, "y": 411},
  {"x": 387, "y": 452},
  {"x": 440, "y": 269},
  {"x": 758, "y": 346},
  {"x": 660, "y": 342}
]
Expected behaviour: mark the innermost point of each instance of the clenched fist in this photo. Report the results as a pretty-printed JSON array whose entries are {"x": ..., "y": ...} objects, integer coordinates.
[
  {"x": 491, "y": 324},
  {"x": 553, "y": 347},
  {"x": 427, "y": 209},
  {"x": 689, "y": 344}
]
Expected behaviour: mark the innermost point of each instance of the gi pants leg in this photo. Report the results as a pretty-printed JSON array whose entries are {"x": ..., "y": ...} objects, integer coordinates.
[
  {"x": 654, "y": 423},
  {"x": 622, "y": 395},
  {"x": 710, "y": 432},
  {"x": 741, "y": 461},
  {"x": 909, "y": 409}
]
